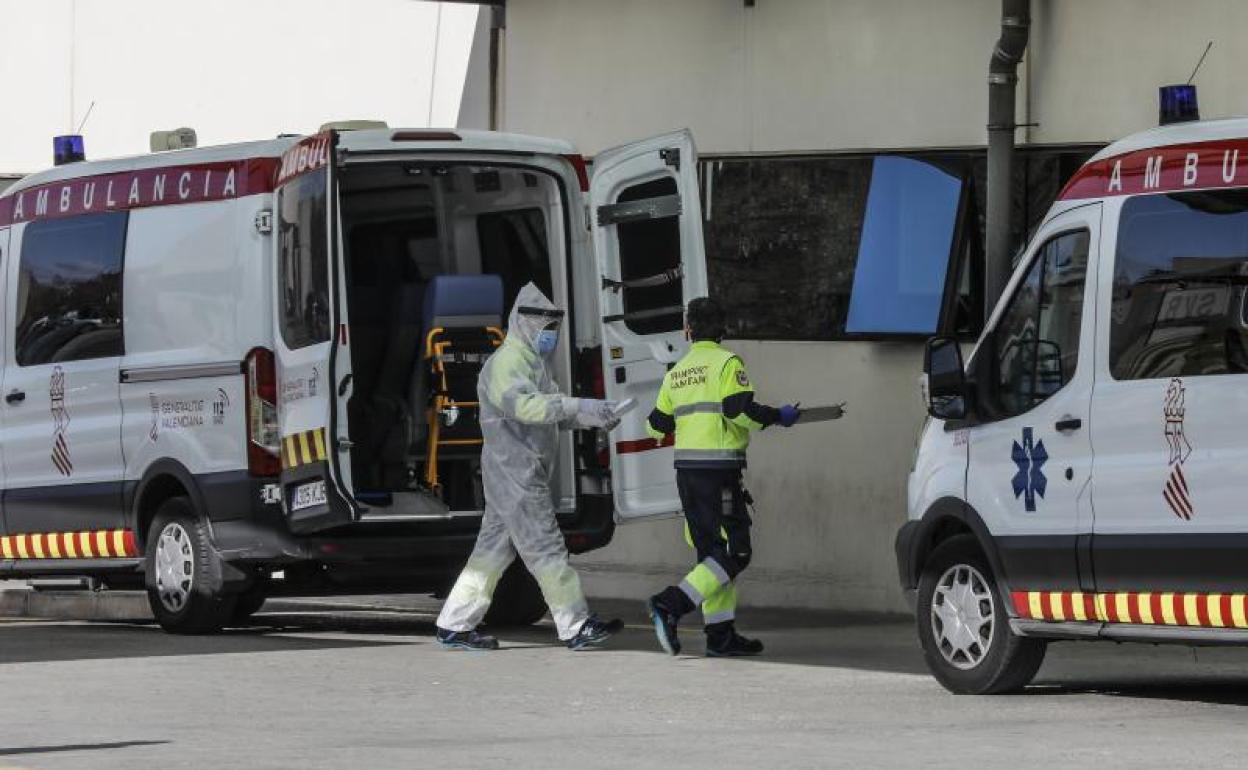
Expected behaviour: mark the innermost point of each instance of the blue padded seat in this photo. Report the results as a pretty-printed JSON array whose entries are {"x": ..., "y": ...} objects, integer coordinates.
[{"x": 458, "y": 301}]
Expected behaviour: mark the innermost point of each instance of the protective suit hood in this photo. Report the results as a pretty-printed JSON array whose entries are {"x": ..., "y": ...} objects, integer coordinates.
[{"x": 525, "y": 326}]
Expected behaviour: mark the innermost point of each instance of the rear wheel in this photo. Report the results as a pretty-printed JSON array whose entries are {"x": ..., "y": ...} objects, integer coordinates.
[
  {"x": 964, "y": 627},
  {"x": 183, "y": 572},
  {"x": 518, "y": 599}
]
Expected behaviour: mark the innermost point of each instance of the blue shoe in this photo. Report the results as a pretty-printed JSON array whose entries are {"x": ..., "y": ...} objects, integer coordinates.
[
  {"x": 466, "y": 640},
  {"x": 594, "y": 632},
  {"x": 664, "y": 625}
]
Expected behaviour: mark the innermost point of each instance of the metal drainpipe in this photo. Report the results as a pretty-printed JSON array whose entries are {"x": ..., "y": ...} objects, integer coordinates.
[
  {"x": 1002, "y": 79},
  {"x": 498, "y": 22}
]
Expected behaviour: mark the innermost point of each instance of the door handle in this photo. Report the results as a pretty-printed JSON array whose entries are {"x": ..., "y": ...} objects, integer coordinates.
[
  {"x": 15, "y": 396},
  {"x": 1068, "y": 423}
]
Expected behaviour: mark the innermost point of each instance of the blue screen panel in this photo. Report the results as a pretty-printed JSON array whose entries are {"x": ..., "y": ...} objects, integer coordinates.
[{"x": 903, "y": 253}]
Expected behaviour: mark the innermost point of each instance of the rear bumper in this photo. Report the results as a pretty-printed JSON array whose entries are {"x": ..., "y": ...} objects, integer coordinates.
[{"x": 264, "y": 539}]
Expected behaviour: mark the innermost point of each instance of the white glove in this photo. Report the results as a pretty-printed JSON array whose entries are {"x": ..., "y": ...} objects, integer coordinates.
[{"x": 595, "y": 413}]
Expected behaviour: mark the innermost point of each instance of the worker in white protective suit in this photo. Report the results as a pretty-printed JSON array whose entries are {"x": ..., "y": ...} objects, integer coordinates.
[{"x": 522, "y": 412}]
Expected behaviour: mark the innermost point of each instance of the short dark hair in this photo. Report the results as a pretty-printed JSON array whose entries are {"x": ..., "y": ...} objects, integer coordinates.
[{"x": 705, "y": 319}]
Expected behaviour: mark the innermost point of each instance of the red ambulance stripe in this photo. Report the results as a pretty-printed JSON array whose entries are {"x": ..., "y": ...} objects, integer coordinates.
[
  {"x": 1158, "y": 616},
  {"x": 1219, "y": 163},
  {"x": 1022, "y": 607},
  {"x": 1046, "y": 605},
  {"x": 132, "y": 548},
  {"x": 1202, "y": 610},
  {"x": 1068, "y": 605},
  {"x": 643, "y": 444},
  {"x": 1089, "y": 606},
  {"x": 1228, "y": 617},
  {"x": 1180, "y": 615},
  {"x": 1133, "y": 608},
  {"x": 158, "y": 186},
  {"x": 1111, "y": 607}
]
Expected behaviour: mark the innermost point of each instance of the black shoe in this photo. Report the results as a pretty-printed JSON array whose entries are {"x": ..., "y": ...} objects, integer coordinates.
[
  {"x": 594, "y": 632},
  {"x": 664, "y": 625},
  {"x": 466, "y": 640},
  {"x": 733, "y": 645}
]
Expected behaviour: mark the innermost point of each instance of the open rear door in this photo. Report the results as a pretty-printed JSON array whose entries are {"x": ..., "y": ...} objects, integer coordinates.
[
  {"x": 313, "y": 361},
  {"x": 647, "y": 222}
]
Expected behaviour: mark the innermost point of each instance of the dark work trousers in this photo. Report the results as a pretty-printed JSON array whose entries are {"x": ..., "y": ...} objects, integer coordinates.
[{"x": 718, "y": 521}]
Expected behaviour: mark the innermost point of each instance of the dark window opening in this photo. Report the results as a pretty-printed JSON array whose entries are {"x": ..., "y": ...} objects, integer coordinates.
[
  {"x": 1035, "y": 346},
  {"x": 851, "y": 246},
  {"x": 513, "y": 246},
  {"x": 649, "y": 248},
  {"x": 69, "y": 289},
  {"x": 303, "y": 261},
  {"x": 1180, "y": 296}
]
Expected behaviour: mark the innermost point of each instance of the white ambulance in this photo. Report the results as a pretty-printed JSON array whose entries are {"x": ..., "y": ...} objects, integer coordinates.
[
  {"x": 226, "y": 362},
  {"x": 1083, "y": 475}
]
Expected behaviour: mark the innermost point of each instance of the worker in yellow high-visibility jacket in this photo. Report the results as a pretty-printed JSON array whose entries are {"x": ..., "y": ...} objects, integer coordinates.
[{"x": 708, "y": 402}]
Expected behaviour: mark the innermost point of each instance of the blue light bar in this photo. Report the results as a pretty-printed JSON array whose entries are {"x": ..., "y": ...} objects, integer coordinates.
[
  {"x": 68, "y": 148},
  {"x": 1177, "y": 104}
]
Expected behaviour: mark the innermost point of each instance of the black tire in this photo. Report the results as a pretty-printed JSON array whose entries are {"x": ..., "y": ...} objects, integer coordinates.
[
  {"x": 250, "y": 601},
  {"x": 518, "y": 600},
  {"x": 1003, "y": 662},
  {"x": 193, "y": 601}
]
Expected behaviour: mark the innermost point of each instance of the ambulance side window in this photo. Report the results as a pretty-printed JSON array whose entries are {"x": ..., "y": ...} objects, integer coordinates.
[
  {"x": 303, "y": 261},
  {"x": 1035, "y": 346},
  {"x": 650, "y": 248},
  {"x": 1180, "y": 301},
  {"x": 69, "y": 289}
]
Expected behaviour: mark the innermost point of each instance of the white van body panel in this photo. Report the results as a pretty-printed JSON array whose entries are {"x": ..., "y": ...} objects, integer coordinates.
[
  {"x": 939, "y": 471},
  {"x": 1054, "y": 466},
  {"x": 182, "y": 384},
  {"x": 635, "y": 363}
]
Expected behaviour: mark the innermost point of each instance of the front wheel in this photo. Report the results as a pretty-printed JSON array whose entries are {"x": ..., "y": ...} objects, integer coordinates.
[
  {"x": 183, "y": 572},
  {"x": 964, "y": 627}
]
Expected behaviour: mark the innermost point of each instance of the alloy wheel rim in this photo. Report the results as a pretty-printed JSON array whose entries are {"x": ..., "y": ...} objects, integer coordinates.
[
  {"x": 175, "y": 567},
  {"x": 963, "y": 616}
]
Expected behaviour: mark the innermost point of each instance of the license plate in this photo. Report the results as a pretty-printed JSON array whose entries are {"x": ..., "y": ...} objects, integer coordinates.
[{"x": 308, "y": 495}]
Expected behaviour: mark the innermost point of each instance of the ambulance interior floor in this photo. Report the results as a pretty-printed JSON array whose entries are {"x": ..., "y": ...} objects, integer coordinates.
[{"x": 356, "y": 682}]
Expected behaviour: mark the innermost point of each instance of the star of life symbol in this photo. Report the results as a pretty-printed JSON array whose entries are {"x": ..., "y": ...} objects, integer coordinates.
[
  {"x": 1174, "y": 409},
  {"x": 1030, "y": 456}
]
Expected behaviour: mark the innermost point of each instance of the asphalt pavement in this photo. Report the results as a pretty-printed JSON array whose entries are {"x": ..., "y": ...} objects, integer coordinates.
[{"x": 351, "y": 683}]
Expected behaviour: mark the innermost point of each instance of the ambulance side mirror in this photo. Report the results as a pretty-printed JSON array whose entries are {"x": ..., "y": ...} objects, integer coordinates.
[{"x": 946, "y": 379}]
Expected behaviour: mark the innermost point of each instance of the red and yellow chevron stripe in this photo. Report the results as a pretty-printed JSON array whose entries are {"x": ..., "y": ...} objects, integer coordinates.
[
  {"x": 303, "y": 448},
  {"x": 1145, "y": 608},
  {"x": 101, "y": 544}
]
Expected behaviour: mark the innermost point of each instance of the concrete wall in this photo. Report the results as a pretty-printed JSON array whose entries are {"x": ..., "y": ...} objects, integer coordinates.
[
  {"x": 797, "y": 75},
  {"x": 791, "y": 75}
]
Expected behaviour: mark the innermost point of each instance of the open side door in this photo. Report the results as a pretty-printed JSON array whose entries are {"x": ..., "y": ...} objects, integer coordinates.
[
  {"x": 647, "y": 222},
  {"x": 313, "y": 361}
]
